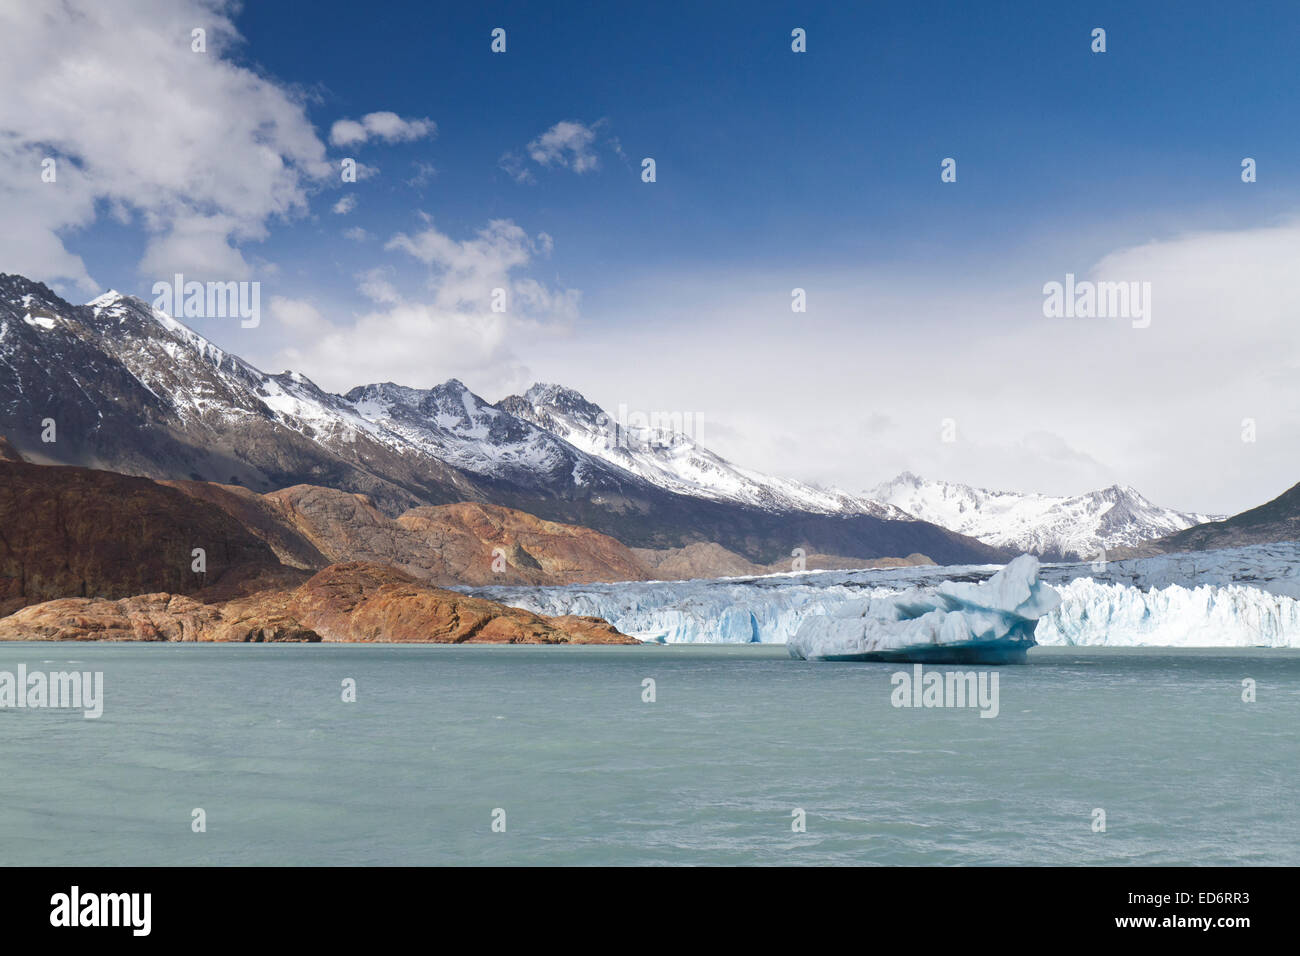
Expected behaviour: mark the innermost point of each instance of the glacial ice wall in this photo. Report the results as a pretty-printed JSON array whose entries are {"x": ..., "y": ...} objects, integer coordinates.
[
  {"x": 1094, "y": 613},
  {"x": 1231, "y": 598},
  {"x": 688, "y": 612}
]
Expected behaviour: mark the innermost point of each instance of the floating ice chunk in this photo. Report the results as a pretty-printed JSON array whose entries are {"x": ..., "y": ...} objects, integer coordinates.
[{"x": 992, "y": 621}]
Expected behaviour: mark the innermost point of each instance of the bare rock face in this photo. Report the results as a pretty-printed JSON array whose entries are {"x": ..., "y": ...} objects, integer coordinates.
[
  {"x": 707, "y": 559},
  {"x": 311, "y": 527},
  {"x": 263, "y": 516},
  {"x": 153, "y": 617},
  {"x": 346, "y": 602},
  {"x": 534, "y": 551},
  {"x": 704, "y": 559},
  {"x": 348, "y": 527},
  {"x": 77, "y": 532},
  {"x": 368, "y": 602},
  {"x": 834, "y": 562}
]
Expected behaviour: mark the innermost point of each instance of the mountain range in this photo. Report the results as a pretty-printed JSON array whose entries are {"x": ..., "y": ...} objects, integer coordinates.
[
  {"x": 131, "y": 389},
  {"x": 1077, "y": 527}
]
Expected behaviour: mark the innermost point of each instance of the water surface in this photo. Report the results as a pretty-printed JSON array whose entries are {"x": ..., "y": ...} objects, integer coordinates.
[{"x": 588, "y": 773}]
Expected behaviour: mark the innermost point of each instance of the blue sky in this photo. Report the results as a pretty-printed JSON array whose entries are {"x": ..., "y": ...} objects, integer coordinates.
[
  {"x": 775, "y": 170},
  {"x": 765, "y": 156}
]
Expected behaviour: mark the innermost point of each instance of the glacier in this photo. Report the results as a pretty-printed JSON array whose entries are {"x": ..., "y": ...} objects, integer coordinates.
[
  {"x": 1238, "y": 597},
  {"x": 1093, "y": 613}
]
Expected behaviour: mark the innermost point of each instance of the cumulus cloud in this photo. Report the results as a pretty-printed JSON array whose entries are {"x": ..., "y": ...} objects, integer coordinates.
[
  {"x": 345, "y": 205},
  {"x": 298, "y": 316},
  {"x": 568, "y": 144},
  {"x": 448, "y": 327},
  {"x": 91, "y": 83},
  {"x": 385, "y": 125}
]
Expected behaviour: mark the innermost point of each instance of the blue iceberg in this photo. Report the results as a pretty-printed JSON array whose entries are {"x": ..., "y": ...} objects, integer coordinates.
[{"x": 991, "y": 622}]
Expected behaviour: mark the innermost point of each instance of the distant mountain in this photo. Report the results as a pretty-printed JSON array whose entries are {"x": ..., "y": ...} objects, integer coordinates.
[
  {"x": 1276, "y": 520},
  {"x": 1055, "y": 528},
  {"x": 133, "y": 390},
  {"x": 674, "y": 461}
]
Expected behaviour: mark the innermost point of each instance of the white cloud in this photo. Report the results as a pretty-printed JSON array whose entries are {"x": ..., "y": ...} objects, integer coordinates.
[
  {"x": 384, "y": 125},
  {"x": 298, "y": 316},
  {"x": 449, "y": 328},
  {"x": 357, "y": 234},
  {"x": 92, "y": 84},
  {"x": 345, "y": 205},
  {"x": 568, "y": 144},
  {"x": 376, "y": 286},
  {"x": 1058, "y": 406}
]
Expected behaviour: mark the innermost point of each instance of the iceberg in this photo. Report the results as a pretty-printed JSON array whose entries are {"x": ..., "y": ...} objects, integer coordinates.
[{"x": 991, "y": 622}]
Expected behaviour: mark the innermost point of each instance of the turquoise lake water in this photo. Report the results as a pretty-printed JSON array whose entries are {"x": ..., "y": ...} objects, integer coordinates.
[{"x": 587, "y": 773}]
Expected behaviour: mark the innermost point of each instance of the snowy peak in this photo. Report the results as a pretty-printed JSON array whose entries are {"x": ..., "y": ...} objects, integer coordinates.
[
  {"x": 457, "y": 426},
  {"x": 563, "y": 401},
  {"x": 1070, "y": 527},
  {"x": 653, "y": 448}
]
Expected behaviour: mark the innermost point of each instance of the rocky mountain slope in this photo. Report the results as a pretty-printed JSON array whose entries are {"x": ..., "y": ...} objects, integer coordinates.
[
  {"x": 466, "y": 543},
  {"x": 1273, "y": 521},
  {"x": 92, "y": 555},
  {"x": 76, "y": 532},
  {"x": 673, "y": 460},
  {"x": 129, "y": 389}
]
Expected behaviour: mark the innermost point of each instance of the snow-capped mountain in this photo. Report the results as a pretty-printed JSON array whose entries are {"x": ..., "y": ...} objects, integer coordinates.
[
  {"x": 131, "y": 389},
  {"x": 128, "y": 388},
  {"x": 1056, "y": 528},
  {"x": 675, "y": 461},
  {"x": 452, "y": 424}
]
